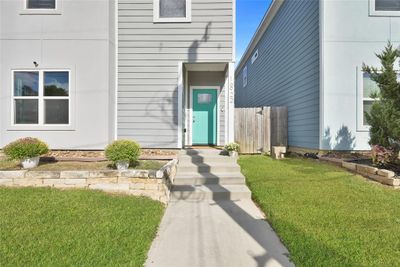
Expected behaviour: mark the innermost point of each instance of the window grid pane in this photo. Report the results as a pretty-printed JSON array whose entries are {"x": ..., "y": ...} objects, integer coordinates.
[
  {"x": 56, "y": 83},
  {"x": 26, "y": 111},
  {"x": 387, "y": 5},
  {"x": 26, "y": 83},
  {"x": 41, "y": 4},
  {"x": 56, "y": 111},
  {"x": 172, "y": 8}
]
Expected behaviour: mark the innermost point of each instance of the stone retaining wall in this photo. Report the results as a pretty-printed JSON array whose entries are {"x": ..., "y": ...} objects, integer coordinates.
[
  {"x": 380, "y": 175},
  {"x": 153, "y": 184}
]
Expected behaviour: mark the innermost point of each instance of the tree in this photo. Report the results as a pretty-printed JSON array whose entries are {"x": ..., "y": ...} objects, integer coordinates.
[{"x": 384, "y": 117}]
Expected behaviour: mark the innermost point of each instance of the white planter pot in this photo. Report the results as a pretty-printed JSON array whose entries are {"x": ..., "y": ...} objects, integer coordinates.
[
  {"x": 233, "y": 154},
  {"x": 122, "y": 165},
  {"x": 30, "y": 163}
]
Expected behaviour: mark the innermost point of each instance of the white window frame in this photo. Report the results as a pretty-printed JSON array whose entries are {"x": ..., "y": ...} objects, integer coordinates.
[
  {"x": 380, "y": 13},
  {"x": 41, "y": 11},
  {"x": 156, "y": 14},
  {"x": 41, "y": 125},
  {"x": 360, "y": 103},
  {"x": 245, "y": 76}
]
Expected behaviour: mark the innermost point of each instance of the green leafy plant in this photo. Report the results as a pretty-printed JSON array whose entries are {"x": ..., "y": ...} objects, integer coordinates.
[
  {"x": 384, "y": 117},
  {"x": 232, "y": 147},
  {"x": 25, "y": 148},
  {"x": 123, "y": 150}
]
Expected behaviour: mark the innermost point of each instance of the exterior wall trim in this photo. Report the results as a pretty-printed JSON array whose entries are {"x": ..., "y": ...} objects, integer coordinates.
[
  {"x": 180, "y": 102},
  {"x": 218, "y": 88},
  {"x": 321, "y": 71}
]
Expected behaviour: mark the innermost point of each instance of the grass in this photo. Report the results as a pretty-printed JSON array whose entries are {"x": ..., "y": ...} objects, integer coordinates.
[
  {"x": 325, "y": 215},
  {"x": 70, "y": 165},
  {"x": 49, "y": 227}
]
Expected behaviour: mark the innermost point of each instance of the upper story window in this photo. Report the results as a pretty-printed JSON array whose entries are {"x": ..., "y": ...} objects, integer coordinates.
[
  {"x": 41, "y": 97},
  {"x": 40, "y": 4},
  {"x": 384, "y": 7},
  {"x": 172, "y": 11},
  {"x": 45, "y": 7},
  {"x": 245, "y": 76}
]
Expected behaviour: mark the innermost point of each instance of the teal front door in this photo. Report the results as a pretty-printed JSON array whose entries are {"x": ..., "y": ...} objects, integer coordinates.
[{"x": 204, "y": 127}]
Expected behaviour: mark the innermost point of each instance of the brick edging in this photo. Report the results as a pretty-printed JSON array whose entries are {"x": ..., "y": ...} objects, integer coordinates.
[{"x": 382, "y": 176}]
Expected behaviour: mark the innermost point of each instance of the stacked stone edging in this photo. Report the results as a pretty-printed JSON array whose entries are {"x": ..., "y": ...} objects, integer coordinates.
[
  {"x": 382, "y": 176},
  {"x": 150, "y": 183}
]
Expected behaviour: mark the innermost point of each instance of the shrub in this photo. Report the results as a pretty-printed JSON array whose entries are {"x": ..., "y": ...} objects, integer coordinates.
[
  {"x": 381, "y": 156},
  {"x": 384, "y": 116},
  {"x": 25, "y": 148},
  {"x": 232, "y": 147},
  {"x": 123, "y": 150}
]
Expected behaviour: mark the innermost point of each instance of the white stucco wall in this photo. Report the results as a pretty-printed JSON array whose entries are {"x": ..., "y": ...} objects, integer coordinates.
[
  {"x": 349, "y": 37},
  {"x": 79, "y": 40}
]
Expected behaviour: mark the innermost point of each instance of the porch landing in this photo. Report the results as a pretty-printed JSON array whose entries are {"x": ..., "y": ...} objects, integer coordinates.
[{"x": 211, "y": 220}]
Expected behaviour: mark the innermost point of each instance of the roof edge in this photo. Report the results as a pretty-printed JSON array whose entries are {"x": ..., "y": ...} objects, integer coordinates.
[{"x": 266, "y": 21}]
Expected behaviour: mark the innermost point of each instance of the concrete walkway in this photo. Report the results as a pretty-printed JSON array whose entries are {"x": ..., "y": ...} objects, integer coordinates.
[{"x": 206, "y": 233}]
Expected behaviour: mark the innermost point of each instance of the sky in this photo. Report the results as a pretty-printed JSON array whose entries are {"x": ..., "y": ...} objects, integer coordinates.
[{"x": 249, "y": 14}]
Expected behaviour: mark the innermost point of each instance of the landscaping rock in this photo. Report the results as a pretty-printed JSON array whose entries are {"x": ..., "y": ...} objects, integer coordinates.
[
  {"x": 110, "y": 187},
  {"x": 12, "y": 174},
  {"x": 366, "y": 169},
  {"x": 349, "y": 165},
  {"x": 100, "y": 174},
  {"x": 386, "y": 173},
  {"x": 113, "y": 180},
  {"x": 74, "y": 174},
  {"x": 42, "y": 174}
]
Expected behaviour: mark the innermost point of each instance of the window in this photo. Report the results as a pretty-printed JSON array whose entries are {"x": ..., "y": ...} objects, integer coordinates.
[
  {"x": 46, "y": 7},
  {"x": 254, "y": 57},
  {"x": 369, "y": 87},
  {"x": 41, "y": 97},
  {"x": 172, "y": 10},
  {"x": 384, "y": 7},
  {"x": 245, "y": 76},
  {"x": 40, "y": 4},
  {"x": 204, "y": 98}
]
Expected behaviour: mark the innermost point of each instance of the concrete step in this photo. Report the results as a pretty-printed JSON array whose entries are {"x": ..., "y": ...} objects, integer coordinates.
[
  {"x": 190, "y": 180},
  {"x": 183, "y": 159},
  {"x": 208, "y": 168},
  {"x": 209, "y": 192},
  {"x": 193, "y": 152}
]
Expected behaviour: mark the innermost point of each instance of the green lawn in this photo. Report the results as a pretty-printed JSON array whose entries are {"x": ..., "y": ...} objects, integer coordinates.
[
  {"x": 49, "y": 227},
  {"x": 324, "y": 215}
]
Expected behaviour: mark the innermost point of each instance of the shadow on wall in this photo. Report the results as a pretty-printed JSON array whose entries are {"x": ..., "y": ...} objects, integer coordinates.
[
  {"x": 192, "y": 51},
  {"x": 344, "y": 140}
]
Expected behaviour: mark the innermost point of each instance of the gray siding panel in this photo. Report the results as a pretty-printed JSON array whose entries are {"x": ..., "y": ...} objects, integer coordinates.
[
  {"x": 286, "y": 72},
  {"x": 148, "y": 57}
]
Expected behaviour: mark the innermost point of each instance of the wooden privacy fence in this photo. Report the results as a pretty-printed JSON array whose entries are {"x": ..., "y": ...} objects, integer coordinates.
[{"x": 258, "y": 129}]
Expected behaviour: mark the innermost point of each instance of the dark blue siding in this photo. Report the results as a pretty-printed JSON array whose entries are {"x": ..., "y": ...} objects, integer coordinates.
[{"x": 286, "y": 72}]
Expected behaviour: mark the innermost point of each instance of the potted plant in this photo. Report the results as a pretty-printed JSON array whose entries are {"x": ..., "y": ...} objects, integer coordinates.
[
  {"x": 122, "y": 153},
  {"x": 233, "y": 149},
  {"x": 27, "y": 150}
]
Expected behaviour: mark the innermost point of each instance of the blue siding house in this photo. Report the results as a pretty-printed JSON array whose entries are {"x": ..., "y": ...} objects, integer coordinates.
[{"x": 307, "y": 55}]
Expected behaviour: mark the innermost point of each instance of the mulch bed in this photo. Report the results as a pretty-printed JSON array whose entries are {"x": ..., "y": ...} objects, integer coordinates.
[{"x": 90, "y": 156}]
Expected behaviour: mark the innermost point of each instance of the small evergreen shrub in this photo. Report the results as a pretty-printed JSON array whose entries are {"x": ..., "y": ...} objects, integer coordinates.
[
  {"x": 232, "y": 147},
  {"x": 25, "y": 148},
  {"x": 123, "y": 150},
  {"x": 384, "y": 117}
]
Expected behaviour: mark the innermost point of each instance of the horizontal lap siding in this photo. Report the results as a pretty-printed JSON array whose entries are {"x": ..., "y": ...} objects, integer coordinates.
[
  {"x": 286, "y": 72},
  {"x": 148, "y": 64}
]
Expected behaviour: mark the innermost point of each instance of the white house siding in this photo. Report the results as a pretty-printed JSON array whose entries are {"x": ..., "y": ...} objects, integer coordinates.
[
  {"x": 148, "y": 58},
  {"x": 286, "y": 72},
  {"x": 350, "y": 37},
  {"x": 79, "y": 40}
]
